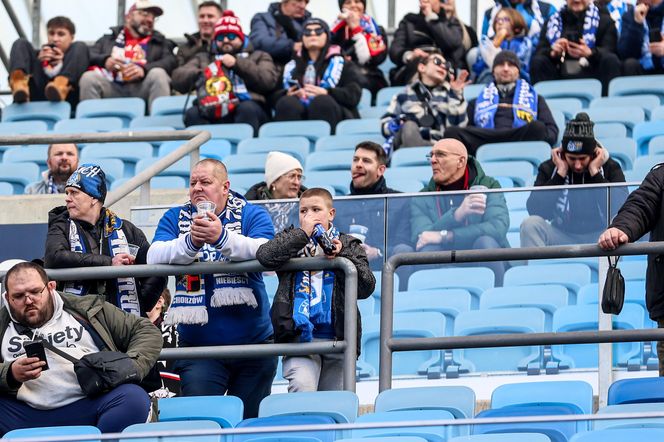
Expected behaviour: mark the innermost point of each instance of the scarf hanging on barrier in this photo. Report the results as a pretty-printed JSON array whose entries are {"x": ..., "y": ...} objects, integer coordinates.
[
  {"x": 127, "y": 293},
  {"x": 646, "y": 60},
  {"x": 590, "y": 23},
  {"x": 616, "y": 10},
  {"x": 189, "y": 302},
  {"x": 524, "y": 105},
  {"x": 312, "y": 297}
]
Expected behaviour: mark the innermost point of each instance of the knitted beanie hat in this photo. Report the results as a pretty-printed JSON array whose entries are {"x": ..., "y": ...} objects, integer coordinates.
[
  {"x": 278, "y": 164},
  {"x": 506, "y": 56},
  {"x": 579, "y": 137},
  {"x": 228, "y": 24},
  {"x": 90, "y": 179}
]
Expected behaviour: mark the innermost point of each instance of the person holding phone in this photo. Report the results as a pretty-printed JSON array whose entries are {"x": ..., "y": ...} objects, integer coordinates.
[
  {"x": 578, "y": 41},
  {"x": 640, "y": 45},
  {"x": 571, "y": 216}
]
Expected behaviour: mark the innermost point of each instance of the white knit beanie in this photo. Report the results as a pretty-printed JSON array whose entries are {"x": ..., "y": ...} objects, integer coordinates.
[{"x": 277, "y": 164}]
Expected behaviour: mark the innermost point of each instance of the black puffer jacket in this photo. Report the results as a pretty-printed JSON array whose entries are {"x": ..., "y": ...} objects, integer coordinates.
[
  {"x": 286, "y": 245},
  {"x": 643, "y": 212},
  {"x": 58, "y": 255}
]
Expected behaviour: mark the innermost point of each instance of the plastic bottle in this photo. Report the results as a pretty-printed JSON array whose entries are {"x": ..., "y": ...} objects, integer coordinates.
[
  {"x": 310, "y": 74},
  {"x": 321, "y": 237}
]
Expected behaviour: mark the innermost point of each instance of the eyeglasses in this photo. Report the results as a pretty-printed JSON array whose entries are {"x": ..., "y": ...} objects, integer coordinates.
[
  {"x": 503, "y": 19},
  {"x": 440, "y": 62},
  {"x": 440, "y": 155},
  {"x": 294, "y": 176},
  {"x": 35, "y": 295},
  {"x": 230, "y": 37},
  {"x": 313, "y": 31}
]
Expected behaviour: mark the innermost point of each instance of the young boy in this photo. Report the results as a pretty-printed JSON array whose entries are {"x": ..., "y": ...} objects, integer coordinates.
[{"x": 309, "y": 305}]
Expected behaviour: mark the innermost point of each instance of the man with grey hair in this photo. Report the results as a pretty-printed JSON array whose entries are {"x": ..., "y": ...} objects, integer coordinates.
[{"x": 62, "y": 160}]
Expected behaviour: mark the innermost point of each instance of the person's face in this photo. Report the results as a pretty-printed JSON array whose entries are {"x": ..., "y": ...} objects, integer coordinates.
[
  {"x": 434, "y": 70},
  {"x": 29, "y": 298},
  {"x": 317, "y": 209},
  {"x": 365, "y": 170},
  {"x": 206, "y": 185},
  {"x": 228, "y": 43},
  {"x": 141, "y": 21},
  {"x": 62, "y": 160},
  {"x": 449, "y": 7},
  {"x": 354, "y": 5},
  {"x": 207, "y": 17},
  {"x": 60, "y": 37},
  {"x": 287, "y": 185},
  {"x": 578, "y": 5},
  {"x": 447, "y": 164},
  {"x": 577, "y": 163},
  {"x": 294, "y": 8},
  {"x": 506, "y": 73},
  {"x": 503, "y": 22},
  {"x": 314, "y": 37},
  {"x": 80, "y": 205}
]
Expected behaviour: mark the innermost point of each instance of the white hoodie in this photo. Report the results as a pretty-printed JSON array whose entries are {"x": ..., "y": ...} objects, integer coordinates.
[{"x": 57, "y": 386}]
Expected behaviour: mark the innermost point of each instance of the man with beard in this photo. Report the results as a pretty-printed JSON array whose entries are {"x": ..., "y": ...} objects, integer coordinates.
[
  {"x": 133, "y": 60},
  {"x": 62, "y": 161}
]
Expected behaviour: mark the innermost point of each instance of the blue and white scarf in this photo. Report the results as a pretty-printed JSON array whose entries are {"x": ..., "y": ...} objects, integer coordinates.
[
  {"x": 127, "y": 293},
  {"x": 312, "y": 297},
  {"x": 590, "y": 23},
  {"x": 189, "y": 302},
  {"x": 524, "y": 105},
  {"x": 331, "y": 75},
  {"x": 646, "y": 56},
  {"x": 616, "y": 10}
]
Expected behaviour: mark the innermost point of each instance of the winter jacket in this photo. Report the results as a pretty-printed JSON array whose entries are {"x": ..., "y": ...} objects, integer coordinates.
[
  {"x": 287, "y": 245},
  {"x": 275, "y": 33},
  {"x": 643, "y": 212},
  {"x": 58, "y": 255},
  {"x": 632, "y": 34},
  {"x": 193, "y": 44},
  {"x": 120, "y": 331},
  {"x": 504, "y": 118},
  {"x": 260, "y": 191},
  {"x": 587, "y": 211},
  {"x": 434, "y": 213},
  {"x": 41, "y": 187},
  {"x": 255, "y": 68},
  {"x": 159, "y": 53},
  {"x": 526, "y": 11}
]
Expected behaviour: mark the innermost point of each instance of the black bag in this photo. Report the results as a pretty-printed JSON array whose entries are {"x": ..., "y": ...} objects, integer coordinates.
[
  {"x": 103, "y": 371},
  {"x": 571, "y": 67},
  {"x": 613, "y": 295}
]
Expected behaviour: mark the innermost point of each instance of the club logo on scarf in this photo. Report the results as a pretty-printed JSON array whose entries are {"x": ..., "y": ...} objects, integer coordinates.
[
  {"x": 574, "y": 146},
  {"x": 219, "y": 87}
]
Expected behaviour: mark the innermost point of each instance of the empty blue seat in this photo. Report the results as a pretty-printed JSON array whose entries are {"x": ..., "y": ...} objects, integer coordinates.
[
  {"x": 473, "y": 279},
  {"x": 171, "y": 105},
  {"x": 114, "y": 168},
  {"x": 36, "y": 153},
  {"x": 656, "y": 145},
  {"x": 628, "y": 115},
  {"x": 45, "y": 111},
  {"x": 606, "y": 130},
  {"x": 61, "y": 431},
  {"x": 224, "y": 410},
  {"x": 180, "y": 168},
  {"x": 245, "y": 163},
  {"x": 23, "y": 127},
  {"x": 341, "y": 406},
  {"x": 634, "y": 290},
  {"x": 636, "y": 391},
  {"x": 101, "y": 124},
  {"x": 657, "y": 113},
  {"x": 421, "y": 173},
  {"x": 276, "y": 421},
  {"x": 130, "y": 152},
  {"x": 503, "y": 437},
  {"x": 643, "y": 132},
  {"x": 458, "y": 400},
  {"x": 622, "y": 150},
  {"x": 578, "y": 393},
  {"x": 235, "y": 132},
  {"x": 295, "y": 146},
  {"x": 245, "y": 180},
  {"x": 19, "y": 174},
  {"x": 338, "y": 179},
  {"x": 520, "y": 172},
  {"x": 407, "y": 185},
  {"x": 620, "y": 434},
  {"x": 385, "y": 95},
  {"x": 647, "y": 102},
  {"x": 174, "y": 121},
  {"x": 359, "y": 126},
  {"x": 312, "y": 129},
  {"x": 646, "y": 422},
  {"x": 125, "y": 108},
  {"x": 500, "y": 321},
  {"x": 158, "y": 182},
  {"x": 572, "y": 276},
  {"x": 449, "y": 302},
  {"x": 372, "y": 112},
  {"x": 412, "y": 156},
  {"x": 330, "y": 160},
  {"x": 214, "y": 148},
  {"x": 437, "y": 433},
  {"x": 165, "y": 427},
  {"x": 640, "y": 84},
  {"x": 535, "y": 152},
  {"x": 569, "y": 106},
  {"x": 345, "y": 142},
  {"x": 584, "y": 89},
  {"x": 6, "y": 189}
]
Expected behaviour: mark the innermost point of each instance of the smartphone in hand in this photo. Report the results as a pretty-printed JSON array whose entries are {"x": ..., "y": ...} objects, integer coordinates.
[{"x": 35, "y": 349}]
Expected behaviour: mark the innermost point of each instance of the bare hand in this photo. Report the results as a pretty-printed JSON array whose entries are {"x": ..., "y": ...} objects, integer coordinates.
[
  {"x": 57, "y": 56},
  {"x": 27, "y": 369},
  {"x": 425, "y": 7},
  {"x": 228, "y": 60},
  {"x": 297, "y": 47},
  {"x": 206, "y": 230},
  {"x": 297, "y": 91},
  {"x": 337, "y": 248},
  {"x": 611, "y": 238},
  {"x": 558, "y": 47},
  {"x": 132, "y": 72},
  {"x": 123, "y": 259},
  {"x": 473, "y": 204},
  {"x": 657, "y": 48},
  {"x": 418, "y": 53},
  {"x": 308, "y": 223},
  {"x": 46, "y": 54},
  {"x": 457, "y": 84},
  {"x": 372, "y": 252},
  {"x": 428, "y": 237},
  {"x": 579, "y": 50},
  {"x": 597, "y": 162},
  {"x": 353, "y": 20},
  {"x": 640, "y": 12},
  {"x": 559, "y": 161},
  {"x": 113, "y": 64},
  {"x": 313, "y": 91},
  {"x": 501, "y": 35}
]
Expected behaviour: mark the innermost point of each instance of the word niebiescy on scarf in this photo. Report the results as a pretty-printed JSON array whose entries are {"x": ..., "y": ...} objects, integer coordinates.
[{"x": 524, "y": 105}]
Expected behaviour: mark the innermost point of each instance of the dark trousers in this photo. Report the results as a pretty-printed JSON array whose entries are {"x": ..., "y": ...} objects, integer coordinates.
[
  {"x": 249, "y": 112},
  {"x": 249, "y": 379},
  {"x": 111, "y": 412},
  {"x": 24, "y": 57},
  {"x": 473, "y": 137},
  {"x": 632, "y": 66},
  {"x": 660, "y": 348},
  {"x": 607, "y": 68},
  {"x": 322, "y": 107}
]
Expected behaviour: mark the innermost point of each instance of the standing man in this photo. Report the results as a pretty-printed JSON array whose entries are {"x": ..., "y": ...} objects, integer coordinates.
[
  {"x": 133, "y": 60},
  {"x": 209, "y": 12},
  {"x": 61, "y": 162},
  {"x": 30, "y": 395},
  {"x": 220, "y": 309}
]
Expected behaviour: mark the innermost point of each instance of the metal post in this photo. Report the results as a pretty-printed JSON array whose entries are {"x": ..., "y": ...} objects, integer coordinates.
[
  {"x": 122, "y": 4},
  {"x": 36, "y": 22},
  {"x": 391, "y": 14},
  {"x": 350, "y": 325},
  {"x": 13, "y": 18},
  {"x": 473, "y": 15},
  {"x": 386, "y": 327},
  {"x": 605, "y": 352},
  {"x": 4, "y": 58}
]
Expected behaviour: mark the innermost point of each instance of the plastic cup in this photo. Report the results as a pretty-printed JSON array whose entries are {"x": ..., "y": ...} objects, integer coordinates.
[
  {"x": 204, "y": 207},
  {"x": 479, "y": 187},
  {"x": 132, "y": 249}
]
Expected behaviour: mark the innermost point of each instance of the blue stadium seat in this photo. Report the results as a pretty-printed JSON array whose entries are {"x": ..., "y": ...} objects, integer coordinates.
[
  {"x": 448, "y": 302},
  {"x": 534, "y": 152},
  {"x": 627, "y": 115},
  {"x": 101, "y": 124},
  {"x": 224, "y": 410},
  {"x": 559, "y": 118},
  {"x": 131, "y": 152},
  {"x": 636, "y": 391},
  {"x": 421, "y": 173},
  {"x": 329, "y": 160},
  {"x": 367, "y": 307},
  {"x": 385, "y": 439},
  {"x": 214, "y": 148},
  {"x": 657, "y": 113},
  {"x": 60, "y": 431},
  {"x": 500, "y": 321},
  {"x": 345, "y": 142},
  {"x": 19, "y": 174},
  {"x": 474, "y": 279},
  {"x": 361, "y": 126},
  {"x": 36, "y": 153},
  {"x": 174, "y": 121},
  {"x": 337, "y": 179},
  {"x": 124, "y": 108},
  {"x": 385, "y": 95},
  {"x": 634, "y": 290},
  {"x": 648, "y": 422},
  {"x": 520, "y": 172},
  {"x": 643, "y": 132},
  {"x": 295, "y": 146},
  {"x": 407, "y": 185},
  {"x": 341, "y": 406},
  {"x": 286, "y": 420},
  {"x": 634, "y": 269},
  {"x": 516, "y": 218},
  {"x": 180, "y": 168},
  {"x": 568, "y": 106},
  {"x": 622, "y": 150},
  {"x": 458, "y": 400},
  {"x": 643, "y": 164},
  {"x": 547, "y": 298},
  {"x": 23, "y": 127},
  {"x": 572, "y": 276},
  {"x": 114, "y": 168},
  {"x": 6, "y": 189},
  {"x": 656, "y": 145},
  {"x": 171, "y": 105},
  {"x": 365, "y": 100},
  {"x": 175, "y": 426},
  {"x": 473, "y": 91},
  {"x": 235, "y": 132},
  {"x": 411, "y": 157},
  {"x": 516, "y": 200},
  {"x": 578, "y": 393},
  {"x": 158, "y": 182},
  {"x": 503, "y": 437},
  {"x": 585, "y": 89},
  {"x": 438, "y": 433},
  {"x": 312, "y": 129},
  {"x": 641, "y": 84},
  {"x": 372, "y": 112},
  {"x": 620, "y": 435},
  {"x": 610, "y": 130},
  {"x": 647, "y": 102},
  {"x": 45, "y": 111},
  {"x": 245, "y": 163},
  {"x": 245, "y": 180}
]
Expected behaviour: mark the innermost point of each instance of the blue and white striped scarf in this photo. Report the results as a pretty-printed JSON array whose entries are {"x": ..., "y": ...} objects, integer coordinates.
[
  {"x": 524, "y": 105},
  {"x": 646, "y": 56},
  {"x": 590, "y": 23},
  {"x": 331, "y": 76},
  {"x": 616, "y": 10}
]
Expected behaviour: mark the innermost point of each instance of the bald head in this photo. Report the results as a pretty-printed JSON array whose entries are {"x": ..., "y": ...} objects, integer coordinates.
[{"x": 449, "y": 158}]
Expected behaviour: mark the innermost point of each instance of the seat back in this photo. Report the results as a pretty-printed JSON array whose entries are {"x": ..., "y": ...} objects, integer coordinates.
[
  {"x": 46, "y": 111},
  {"x": 126, "y": 108},
  {"x": 311, "y": 129},
  {"x": 346, "y": 141},
  {"x": 458, "y": 400},
  {"x": 585, "y": 89},
  {"x": 224, "y": 410},
  {"x": 370, "y": 126},
  {"x": 619, "y": 435},
  {"x": 535, "y": 152},
  {"x": 342, "y": 406},
  {"x": 473, "y": 279},
  {"x": 65, "y": 430},
  {"x": 437, "y": 433},
  {"x": 287, "y": 420},
  {"x": 330, "y": 160},
  {"x": 295, "y": 146},
  {"x": 572, "y": 276},
  {"x": 641, "y": 84},
  {"x": 101, "y": 124},
  {"x": 635, "y": 391},
  {"x": 234, "y": 132},
  {"x": 646, "y": 422},
  {"x": 171, "y": 105},
  {"x": 173, "y": 120},
  {"x": 192, "y": 425},
  {"x": 578, "y": 393}
]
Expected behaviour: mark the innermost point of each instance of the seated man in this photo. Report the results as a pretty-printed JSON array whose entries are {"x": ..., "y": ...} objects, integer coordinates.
[
  {"x": 640, "y": 45},
  {"x": 420, "y": 114},
  {"x": 509, "y": 109},
  {"x": 579, "y": 41},
  {"x": 52, "y": 72},
  {"x": 133, "y": 60},
  {"x": 460, "y": 222},
  {"x": 573, "y": 216},
  {"x": 33, "y": 396},
  {"x": 62, "y": 160},
  {"x": 209, "y": 13},
  {"x": 84, "y": 233},
  {"x": 231, "y": 81}
]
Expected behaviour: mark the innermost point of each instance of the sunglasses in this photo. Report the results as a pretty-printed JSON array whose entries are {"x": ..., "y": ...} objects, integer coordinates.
[
  {"x": 440, "y": 62},
  {"x": 313, "y": 31},
  {"x": 230, "y": 37}
]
